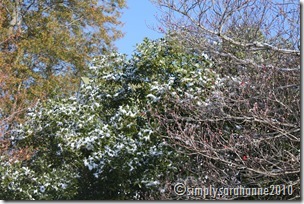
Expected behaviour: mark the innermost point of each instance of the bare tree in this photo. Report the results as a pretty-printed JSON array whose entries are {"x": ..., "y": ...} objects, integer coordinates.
[
  {"x": 247, "y": 132},
  {"x": 266, "y": 32}
]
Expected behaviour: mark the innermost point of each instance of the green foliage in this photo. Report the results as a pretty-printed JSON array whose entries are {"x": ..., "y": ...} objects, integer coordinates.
[
  {"x": 103, "y": 144},
  {"x": 46, "y": 45}
]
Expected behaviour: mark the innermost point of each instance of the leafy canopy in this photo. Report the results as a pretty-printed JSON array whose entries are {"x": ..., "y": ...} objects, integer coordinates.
[
  {"x": 104, "y": 140},
  {"x": 45, "y": 44}
]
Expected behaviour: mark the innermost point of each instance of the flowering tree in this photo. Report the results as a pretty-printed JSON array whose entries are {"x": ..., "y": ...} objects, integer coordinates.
[{"x": 103, "y": 142}]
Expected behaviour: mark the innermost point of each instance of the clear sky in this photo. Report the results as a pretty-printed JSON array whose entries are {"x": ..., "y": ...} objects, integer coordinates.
[{"x": 139, "y": 18}]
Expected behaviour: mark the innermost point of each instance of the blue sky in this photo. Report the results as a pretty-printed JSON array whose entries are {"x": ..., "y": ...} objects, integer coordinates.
[{"x": 139, "y": 17}]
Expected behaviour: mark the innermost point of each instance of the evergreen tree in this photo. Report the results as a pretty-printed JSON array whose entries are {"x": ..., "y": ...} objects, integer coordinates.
[{"x": 104, "y": 144}]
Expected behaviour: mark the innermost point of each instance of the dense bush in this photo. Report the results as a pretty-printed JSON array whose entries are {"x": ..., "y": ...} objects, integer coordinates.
[{"x": 102, "y": 143}]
